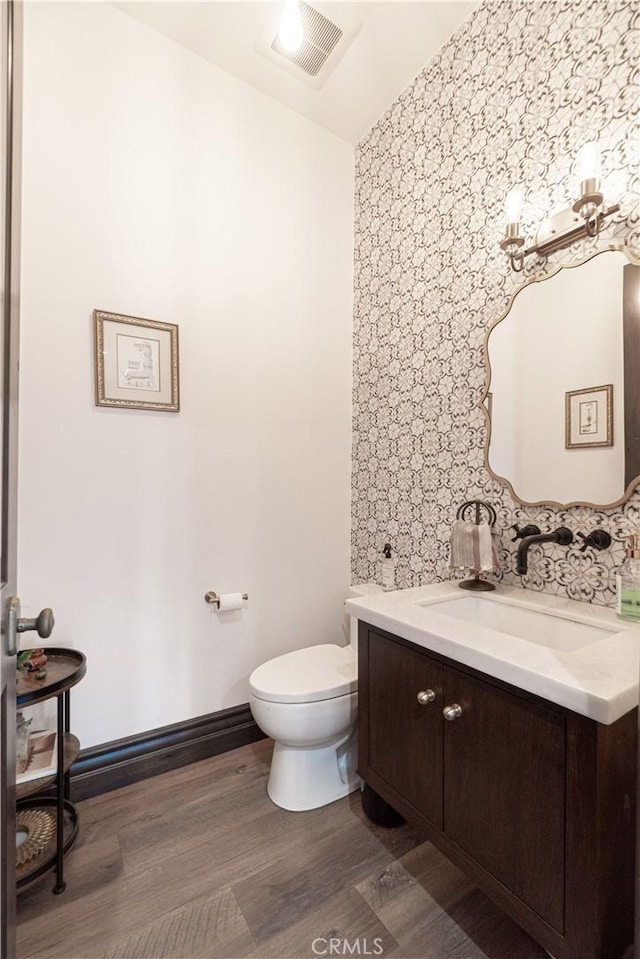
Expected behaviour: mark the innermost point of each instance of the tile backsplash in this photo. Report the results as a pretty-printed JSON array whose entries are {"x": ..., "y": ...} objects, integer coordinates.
[{"x": 510, "y": 99}]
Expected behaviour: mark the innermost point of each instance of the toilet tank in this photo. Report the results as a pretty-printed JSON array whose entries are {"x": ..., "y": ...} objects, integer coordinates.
[{"x": 362, "y": 589}]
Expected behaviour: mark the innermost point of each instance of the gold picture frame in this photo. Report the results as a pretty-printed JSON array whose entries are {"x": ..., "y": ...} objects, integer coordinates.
[
  {"x": 136, "y": 362},
  {"x": 589, "y": 417}
]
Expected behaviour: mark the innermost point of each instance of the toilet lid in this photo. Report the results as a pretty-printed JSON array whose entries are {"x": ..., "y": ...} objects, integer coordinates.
[{"x": 307, "y": 675}]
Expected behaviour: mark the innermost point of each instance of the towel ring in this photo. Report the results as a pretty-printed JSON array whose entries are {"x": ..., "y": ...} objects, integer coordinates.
[
  {"x": 476, "y": 507},
  {"x": 480, "y": 505}
]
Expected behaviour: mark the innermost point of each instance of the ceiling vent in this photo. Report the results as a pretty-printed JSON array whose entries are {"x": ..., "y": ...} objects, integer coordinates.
[
  {"x": 320, "y": 37},
  {"x": 324, "y": 45}
]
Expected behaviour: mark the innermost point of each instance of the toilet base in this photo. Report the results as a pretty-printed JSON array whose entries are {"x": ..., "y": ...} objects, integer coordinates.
[{"x": 310, "y": 777}]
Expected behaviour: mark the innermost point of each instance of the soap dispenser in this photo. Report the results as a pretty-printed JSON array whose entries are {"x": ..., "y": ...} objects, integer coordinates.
[
  {"x": 628, "y": 582},
  {"x": 388, "y": 569}
]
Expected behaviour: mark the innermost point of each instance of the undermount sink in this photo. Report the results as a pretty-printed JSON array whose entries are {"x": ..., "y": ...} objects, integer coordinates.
[
  {"x": 534, "y": 626},
  {"x": 578, "y": 655}
]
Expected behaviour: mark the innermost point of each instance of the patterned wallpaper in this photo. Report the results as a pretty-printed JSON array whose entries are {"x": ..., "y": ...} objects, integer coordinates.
[{"x": 511, "y": 98}]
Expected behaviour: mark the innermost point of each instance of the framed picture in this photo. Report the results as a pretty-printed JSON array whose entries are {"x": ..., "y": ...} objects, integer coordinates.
[
  {"x": 43, "y": 759},
  {"x": 589, "y": 417},
  {"x": 136, "y": 362}
]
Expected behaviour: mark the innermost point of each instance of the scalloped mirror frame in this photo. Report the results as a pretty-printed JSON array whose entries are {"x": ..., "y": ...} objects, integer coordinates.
[{"x": 615, "y": 247}]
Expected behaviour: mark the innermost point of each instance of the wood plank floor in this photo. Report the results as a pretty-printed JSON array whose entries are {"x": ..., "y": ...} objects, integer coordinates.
[{"x": 199, "y": 863}]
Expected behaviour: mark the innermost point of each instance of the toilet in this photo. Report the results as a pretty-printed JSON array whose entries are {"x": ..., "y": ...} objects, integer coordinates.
[{"x": 307, "y": 702}]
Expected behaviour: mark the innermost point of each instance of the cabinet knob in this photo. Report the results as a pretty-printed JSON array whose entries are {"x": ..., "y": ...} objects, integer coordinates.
[
  {"x": 426, "y": 696},
  {"x": 452, "y": 712}
]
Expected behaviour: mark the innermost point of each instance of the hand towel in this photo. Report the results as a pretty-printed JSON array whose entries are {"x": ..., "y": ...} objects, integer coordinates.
[{"x": 473, "y": 547}]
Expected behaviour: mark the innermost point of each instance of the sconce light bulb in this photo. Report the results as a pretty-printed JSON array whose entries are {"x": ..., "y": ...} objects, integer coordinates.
[
  {"x": 513, "y": 205},
  {"x": 290, "y": 31},
  {"x": 588, "y": 161}
]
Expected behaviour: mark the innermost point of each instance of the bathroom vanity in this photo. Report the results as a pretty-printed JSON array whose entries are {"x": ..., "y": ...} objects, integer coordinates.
[{"x": 514, "y": 751}]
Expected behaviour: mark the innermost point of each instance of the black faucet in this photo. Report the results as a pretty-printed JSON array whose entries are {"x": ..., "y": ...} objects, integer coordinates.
[
  {"x": 528, "y": 530},
  {"x": 562, "y": 536}
]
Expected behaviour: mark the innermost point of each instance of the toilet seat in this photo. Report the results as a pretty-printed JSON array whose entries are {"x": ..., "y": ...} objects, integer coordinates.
[{"x": 307, "y": 675}]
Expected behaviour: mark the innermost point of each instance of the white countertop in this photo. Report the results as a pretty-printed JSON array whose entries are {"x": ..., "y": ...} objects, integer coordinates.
[{"x": 599, "y": 680}]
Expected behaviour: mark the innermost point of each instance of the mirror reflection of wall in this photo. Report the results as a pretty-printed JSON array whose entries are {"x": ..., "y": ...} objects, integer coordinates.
[{"x": 561, "y": 335}]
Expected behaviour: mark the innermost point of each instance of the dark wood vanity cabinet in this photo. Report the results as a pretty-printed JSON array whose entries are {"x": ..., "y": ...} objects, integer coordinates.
[
  {"x": 535, "y": 803},
  {"x": 405, "y": 747}
]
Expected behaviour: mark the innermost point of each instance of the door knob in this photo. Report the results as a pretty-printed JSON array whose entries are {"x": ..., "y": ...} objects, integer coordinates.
[
  {"x": 452, "y": 712},
  {"x": 426, "y": 696},
  {"x": 43, "y": 624}
]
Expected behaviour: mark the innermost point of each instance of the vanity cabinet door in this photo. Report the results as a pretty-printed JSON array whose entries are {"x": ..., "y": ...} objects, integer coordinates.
[
  {"x": 504, "y": 790},
  {"x": 405, "y": 732}
]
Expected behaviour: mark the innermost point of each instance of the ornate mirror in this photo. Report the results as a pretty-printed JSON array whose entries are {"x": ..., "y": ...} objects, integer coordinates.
[{"x": 562, "y": 394}]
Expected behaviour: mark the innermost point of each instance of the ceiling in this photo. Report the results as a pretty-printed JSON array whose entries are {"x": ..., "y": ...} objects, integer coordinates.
[{"x": 392, "y": 42}]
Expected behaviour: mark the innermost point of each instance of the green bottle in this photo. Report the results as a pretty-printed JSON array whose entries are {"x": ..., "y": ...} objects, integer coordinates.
[{"x": 628, "y": 582}]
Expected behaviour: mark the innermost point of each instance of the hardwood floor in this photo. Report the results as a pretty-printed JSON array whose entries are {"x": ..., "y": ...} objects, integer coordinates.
[{"x": 199, "y": 863}]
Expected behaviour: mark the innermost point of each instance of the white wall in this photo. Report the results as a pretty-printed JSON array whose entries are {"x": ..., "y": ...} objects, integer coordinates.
[{"x": 156, "y": 185}]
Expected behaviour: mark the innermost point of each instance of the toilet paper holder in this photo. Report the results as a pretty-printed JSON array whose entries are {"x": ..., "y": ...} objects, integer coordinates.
[{"x": 214, "y": 599}]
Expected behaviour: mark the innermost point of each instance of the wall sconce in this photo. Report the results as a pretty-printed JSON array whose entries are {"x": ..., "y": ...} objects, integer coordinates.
[{"x": 584, "y": 218}]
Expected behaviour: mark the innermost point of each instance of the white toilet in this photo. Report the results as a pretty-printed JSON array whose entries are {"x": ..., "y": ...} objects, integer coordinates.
[{"x": 307, "y": 701}]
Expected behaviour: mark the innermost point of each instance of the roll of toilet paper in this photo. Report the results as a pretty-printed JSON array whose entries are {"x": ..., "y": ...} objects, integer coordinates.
[{"x": 230, "y": 601}]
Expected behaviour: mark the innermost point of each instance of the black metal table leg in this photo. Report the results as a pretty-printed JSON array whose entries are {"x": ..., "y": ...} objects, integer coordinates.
[{"x": 60, "y": 884}]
